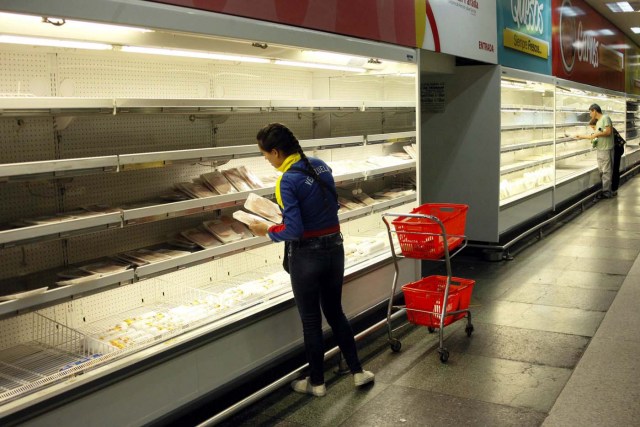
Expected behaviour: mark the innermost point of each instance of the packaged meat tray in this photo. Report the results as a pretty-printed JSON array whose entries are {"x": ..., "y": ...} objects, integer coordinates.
[
  {"x": 237, "y": 226},
  {"x": 196, "y": 191},
  {"x": 201, "y": 237},
  {"x": 222, "y": 231},
  {"x": 107, "y": 266},
  {"x": 253, "y": 181},
  {"x": 248, "y": 218},
  {"x": 236, "y": 179},
  {"x": 263, "y": 207},
  {"x": 217, "y": 181}
]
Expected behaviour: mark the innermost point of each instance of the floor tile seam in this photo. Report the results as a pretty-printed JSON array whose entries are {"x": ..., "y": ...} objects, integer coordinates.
[
  {"x": 409, "y": 388},
  {"x": 453, "y": 352},
  {"x": 555, "y": 306},
  {"x": 479, "y": 399},
  {"x": 543, "y": 330},
  {"x": 572, "y": 286},
  {"x": 529, "y": 329}
]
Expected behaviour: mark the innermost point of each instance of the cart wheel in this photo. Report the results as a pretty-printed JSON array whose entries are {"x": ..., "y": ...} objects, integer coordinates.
[
  {"x": 430, "y": 329},
  {"x": 395, "y": 345},
  {"x": 469, "y": 330},
  {"x": 444, "y": 355}
]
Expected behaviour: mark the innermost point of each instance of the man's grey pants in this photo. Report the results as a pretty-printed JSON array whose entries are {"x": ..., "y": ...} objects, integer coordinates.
[{"x": 605, "y": 166}]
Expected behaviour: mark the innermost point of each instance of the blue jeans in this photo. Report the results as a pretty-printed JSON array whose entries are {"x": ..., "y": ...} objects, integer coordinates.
[{"x": 317, "y": 272}]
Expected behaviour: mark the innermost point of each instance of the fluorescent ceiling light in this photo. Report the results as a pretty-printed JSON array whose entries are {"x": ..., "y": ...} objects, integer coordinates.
[
  {"x": 625, "y": 6},
  {"x": 37, "y": 41},
  {"x": 193, "y": 54},
  {"x": 635, "y": 30},
  {"x": 32, "y": 20},
  {"x": 619, "y": 46},
  {"x": 333, "y": 58},
  {"x": 320, "y": 66},
  {"x": 606, "y": 32}
]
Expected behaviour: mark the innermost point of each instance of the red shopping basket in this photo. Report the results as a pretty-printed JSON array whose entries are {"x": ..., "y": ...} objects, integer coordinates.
[
  {"x": 427, "y": 294},
  {"x": 422, "y": 237}
]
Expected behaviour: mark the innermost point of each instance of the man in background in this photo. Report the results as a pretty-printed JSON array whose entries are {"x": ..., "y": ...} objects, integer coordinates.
[{"x": 602, "y": 139}]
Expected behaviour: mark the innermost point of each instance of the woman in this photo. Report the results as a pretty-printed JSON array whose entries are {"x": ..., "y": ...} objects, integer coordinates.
[{"x": 307, "y": 196}]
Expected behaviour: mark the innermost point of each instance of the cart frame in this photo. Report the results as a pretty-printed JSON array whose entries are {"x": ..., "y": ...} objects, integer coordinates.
[{"x": 394, "y": 343}]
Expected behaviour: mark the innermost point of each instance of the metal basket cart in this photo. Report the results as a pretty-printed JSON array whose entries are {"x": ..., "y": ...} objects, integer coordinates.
[{"x": 434, "y": 232}]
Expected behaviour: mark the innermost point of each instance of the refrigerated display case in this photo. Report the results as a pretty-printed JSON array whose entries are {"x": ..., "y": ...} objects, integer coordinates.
[
  {"x": 576, "y": 165},
  {"x": 631, "y": 154},
  {"x": 112, "y": 275},
  {"x": 505, "y": 144}
]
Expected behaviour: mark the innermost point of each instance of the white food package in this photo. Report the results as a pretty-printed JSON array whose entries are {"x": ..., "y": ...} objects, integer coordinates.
[
  {"x": 201, "y": 237},
  {"x": 251, "y": 179},
  {"x": 222, "y": 231},
  {"x": 236, "y": 179},
  {"x": 247, "y": 218},
  {"x": 263, "y": 207},
  {"x": 218, "y": 182}
]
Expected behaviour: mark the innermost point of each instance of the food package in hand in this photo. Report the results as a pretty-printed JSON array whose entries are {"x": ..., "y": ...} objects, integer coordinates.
[
  {"x": 237, "y": 226},
  {"x": 263, "y": 207},
  {"x": 247, "y": 218}
]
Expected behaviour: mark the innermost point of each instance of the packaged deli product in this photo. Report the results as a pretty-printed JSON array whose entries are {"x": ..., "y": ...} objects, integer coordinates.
[
  {"x": 263, "y": 207},
  {"x": 222, "y": 231},
  {"x": 236, "y": 179},
  {"x": 237, "y": 226},
  {"x": 218, "y": 182},
  {"x": 247, "y": 218},
  {"x": 251, "y": 179},
  {"x": 201, "y": 237}
]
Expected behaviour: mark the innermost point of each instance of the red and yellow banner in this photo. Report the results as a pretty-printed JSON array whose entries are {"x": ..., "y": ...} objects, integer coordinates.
[{"x": 586, "y": 47}]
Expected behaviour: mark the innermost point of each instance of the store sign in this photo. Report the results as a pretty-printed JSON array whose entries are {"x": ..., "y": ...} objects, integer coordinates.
[
  {"x": 390, "y": 21},
  {"x": 524, "y": 34},
  {"x": 586, "y": 47},
  {"x": 432, "y": 97},
  {"x": 632, "y": 72},
  {"x": 463, "y": 28}
]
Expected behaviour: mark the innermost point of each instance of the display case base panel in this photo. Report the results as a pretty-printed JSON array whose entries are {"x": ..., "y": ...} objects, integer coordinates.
[
  {"x": 153, "y": 392},
  {"x": 630, "y": 159},
  {"x": 525, "y": 210},
  {"x": 569, "y": 189}
]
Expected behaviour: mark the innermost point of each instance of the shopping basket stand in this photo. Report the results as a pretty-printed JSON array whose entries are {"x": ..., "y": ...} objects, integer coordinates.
[{"x": 429, "y": 301}]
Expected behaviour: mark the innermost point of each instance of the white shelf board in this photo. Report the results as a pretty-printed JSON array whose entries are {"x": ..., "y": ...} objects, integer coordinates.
[
  {"x": 195, "y": 205},
  {"x": 55, "y": 168},
  {"x": 404, "y": 167},
  {"x": 199, "y": 256},
  {"x": 200, "y": 154},
  {"x": 332, "y": 142},
  {"x": 60, "y": 229},
  {"x": 54, "y": 105},
  {"x": 57, "y": 294},
  {"x": 524, "y": 145},
  {"x": 383, "y": 137}
]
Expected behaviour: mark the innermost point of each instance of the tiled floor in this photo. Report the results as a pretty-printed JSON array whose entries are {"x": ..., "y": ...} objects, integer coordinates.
[{"x": 556, "y": 342}]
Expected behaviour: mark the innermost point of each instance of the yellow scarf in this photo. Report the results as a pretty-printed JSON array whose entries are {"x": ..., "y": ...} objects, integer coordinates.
[{"x": 293, "y": 158}]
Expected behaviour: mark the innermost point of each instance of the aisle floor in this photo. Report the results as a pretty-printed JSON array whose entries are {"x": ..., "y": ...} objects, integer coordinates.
[{"x": 556, "y": 343}]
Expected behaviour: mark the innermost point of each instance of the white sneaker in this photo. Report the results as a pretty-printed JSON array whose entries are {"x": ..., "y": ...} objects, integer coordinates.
[
  {"x": 304, "y": 386},
  {"x": 362, "y": 378}
]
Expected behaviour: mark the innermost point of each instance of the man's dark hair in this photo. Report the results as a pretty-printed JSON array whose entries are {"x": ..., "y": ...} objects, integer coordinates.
[{"x": 595, "y": 107}]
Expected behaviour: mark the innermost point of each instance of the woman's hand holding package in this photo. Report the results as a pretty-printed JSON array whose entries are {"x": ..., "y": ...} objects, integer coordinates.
[{"x": 259, "y": 228}]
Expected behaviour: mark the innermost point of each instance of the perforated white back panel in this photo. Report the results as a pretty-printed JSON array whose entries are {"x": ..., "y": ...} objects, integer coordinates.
[
  {"x": 34, "y": 72},
  {"x": 25, "y": 72}
]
